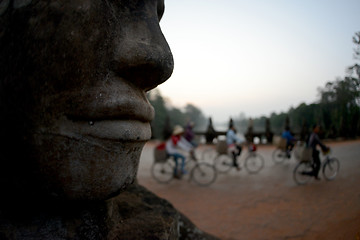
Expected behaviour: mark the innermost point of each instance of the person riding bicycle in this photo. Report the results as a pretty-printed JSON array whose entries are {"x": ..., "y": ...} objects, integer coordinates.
[
  {"x": 189, "y": 134},
  {"x": 233, "y": 142},
  {"x": 289, "y": 140},
  {"x": 174, "y": 144},
  {"x": 314, "y": 140}
]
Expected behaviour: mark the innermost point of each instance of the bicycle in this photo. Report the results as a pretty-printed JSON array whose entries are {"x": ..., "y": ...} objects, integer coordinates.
[
  {"x": 303, "y": 171},
  {"x": 209, "y": 153},
  {"x": 253, "y": 161},
  {"x": 281, "y": 153},
  {"x": 163, "y": 167}
]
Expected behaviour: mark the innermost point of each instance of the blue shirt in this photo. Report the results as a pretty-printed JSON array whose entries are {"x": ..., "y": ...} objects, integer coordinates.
[
  {"x": 232, "y": 138},
  {"x": 287, "y": 135}
]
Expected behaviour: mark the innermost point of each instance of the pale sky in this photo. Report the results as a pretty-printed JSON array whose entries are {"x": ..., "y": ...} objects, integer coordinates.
[{"x": 258, "y": 56}]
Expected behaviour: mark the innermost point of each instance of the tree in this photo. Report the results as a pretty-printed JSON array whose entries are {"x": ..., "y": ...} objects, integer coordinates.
[
  {"x": 161, "y": 113},
  {"x": 177, "y": 117},
  {"x": 339, "y": 101},
  {"x": 195, "y": 115},
  {"x": 278, "y": 122},
  {"x": 356, "y": 67}
]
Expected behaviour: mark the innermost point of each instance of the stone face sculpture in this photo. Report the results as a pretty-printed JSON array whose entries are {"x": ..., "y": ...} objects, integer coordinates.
[
  {"x": 73, "y": 79},
  {"x": 74, "y": 118}
]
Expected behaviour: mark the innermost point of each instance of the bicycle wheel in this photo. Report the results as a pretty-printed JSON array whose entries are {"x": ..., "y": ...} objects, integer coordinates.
[
  {"x": 203, "y": 174},
  {"x": 331, "y": 168},
  {"x": 278, "y": 155},
  {"x": 254, "y": 162},
  {"x": 303, "y": 172},
  {"x": 208, "y": 155},
  {"x": 223, "y": 163},
  {"x": 163, "y": 172}
]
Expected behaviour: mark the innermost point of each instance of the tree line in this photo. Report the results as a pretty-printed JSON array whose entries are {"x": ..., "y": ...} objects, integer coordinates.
[{"x": 337, "y": 110}]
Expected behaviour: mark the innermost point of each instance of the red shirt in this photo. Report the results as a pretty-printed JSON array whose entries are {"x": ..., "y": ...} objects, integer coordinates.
[{"x": 175, "y": 139}]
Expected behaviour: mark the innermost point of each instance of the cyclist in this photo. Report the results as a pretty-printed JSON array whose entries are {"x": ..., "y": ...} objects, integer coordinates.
[
  {"x": 189, "y": 134},
  {"x": 233, "y": 142},
  {"x": 314, "y": 140},
  {"x": 175, "y": 143},
  {"x": 289, "y": 141}
]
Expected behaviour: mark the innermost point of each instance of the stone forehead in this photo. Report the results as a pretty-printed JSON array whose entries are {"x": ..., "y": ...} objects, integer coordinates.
[{"x": 4, "y": 4}]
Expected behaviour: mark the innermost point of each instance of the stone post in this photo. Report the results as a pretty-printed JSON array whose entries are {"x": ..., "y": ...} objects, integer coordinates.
[
  {"x": 250, "y": 132},
  {"x": 210, "y": 132},
  {"x": 268, "y": 133},
  {"x": 167, "y": 128}
]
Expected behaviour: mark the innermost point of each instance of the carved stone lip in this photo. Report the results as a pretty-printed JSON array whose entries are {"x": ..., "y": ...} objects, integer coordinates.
[
  {"x": 114, "y": 130},
  {"x": 112, "y": 99},
  {"x": 114, "y": 110},
  {"x": 129, "y": 121},
  {"x": 142, "y": 112}
]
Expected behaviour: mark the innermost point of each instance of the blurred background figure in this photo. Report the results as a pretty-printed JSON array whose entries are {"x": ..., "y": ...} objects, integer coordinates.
[
  {"x": 189, "y": 134},
  {"x": 174, "y": 145},
  {"x": 314, "y": 140},
  {"x": 233, "y": 142},
  {"x": 289, "y": 141}
]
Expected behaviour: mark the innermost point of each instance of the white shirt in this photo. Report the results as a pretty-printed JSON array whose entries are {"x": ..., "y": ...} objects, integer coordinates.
[{"x": 174, "y": 144}]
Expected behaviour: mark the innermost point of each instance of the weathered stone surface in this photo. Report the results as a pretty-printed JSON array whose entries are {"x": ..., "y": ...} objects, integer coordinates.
[{"x": 134, "y": 214}]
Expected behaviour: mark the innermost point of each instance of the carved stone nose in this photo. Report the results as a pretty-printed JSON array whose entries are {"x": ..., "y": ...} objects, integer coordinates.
[{"x": 143, "y": 57}]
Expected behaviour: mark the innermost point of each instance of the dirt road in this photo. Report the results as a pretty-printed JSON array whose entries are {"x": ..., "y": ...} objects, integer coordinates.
[{"x": 269, "y": 205}]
